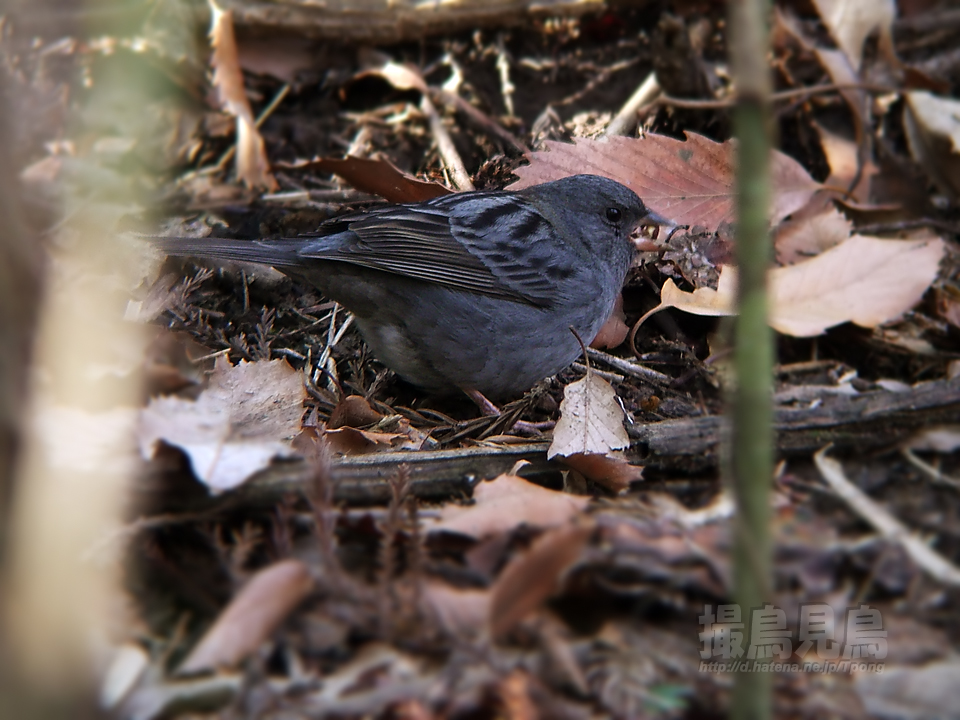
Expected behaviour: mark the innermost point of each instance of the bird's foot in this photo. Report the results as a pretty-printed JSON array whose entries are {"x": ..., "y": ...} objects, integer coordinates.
[{"x": 522, "y": 427}]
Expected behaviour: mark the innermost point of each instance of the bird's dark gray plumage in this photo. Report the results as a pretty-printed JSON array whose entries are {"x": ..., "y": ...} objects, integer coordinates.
[{"x": 476, "y": 291}]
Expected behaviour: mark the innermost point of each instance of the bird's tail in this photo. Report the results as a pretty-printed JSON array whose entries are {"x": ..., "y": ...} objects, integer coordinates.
[{"x": 278, "y": 253}]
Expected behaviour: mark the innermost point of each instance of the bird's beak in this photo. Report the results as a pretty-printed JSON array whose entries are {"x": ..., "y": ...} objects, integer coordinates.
[{"x": 652, "y": 218}]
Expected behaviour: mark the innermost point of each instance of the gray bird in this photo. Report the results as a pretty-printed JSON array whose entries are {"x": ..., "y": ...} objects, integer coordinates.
[{"x": 474, "y": 291}]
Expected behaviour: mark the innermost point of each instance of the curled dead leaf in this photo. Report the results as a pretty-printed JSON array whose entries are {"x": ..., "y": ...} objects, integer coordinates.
[
  {"x": 864, "y": 280},
  {"x": 377, "y": 177}
]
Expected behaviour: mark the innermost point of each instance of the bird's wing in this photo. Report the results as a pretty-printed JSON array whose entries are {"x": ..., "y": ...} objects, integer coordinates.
[{"x": 492, "y": 244}]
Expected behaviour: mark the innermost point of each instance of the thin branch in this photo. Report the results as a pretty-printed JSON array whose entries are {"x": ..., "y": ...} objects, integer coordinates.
[{"x": 782, "y": 96}]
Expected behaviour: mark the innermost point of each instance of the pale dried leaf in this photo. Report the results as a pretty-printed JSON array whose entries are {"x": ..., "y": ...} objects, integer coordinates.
[
  {"x": 402, "y": 77},
  {"x": 253, "y": 168},
  {"x": 129, "y": 663},
  {"x": 867, "y": 281},
  {"x": 933, "y": 133},
  {"x": 816, "y": 228},
  {"x": 591, "y": 420},
  {"x": 864, "y": 280},
  {"x": 942, "y": 439},
  {"x": 506, "y": 502},
  {"x": 937, "y": 116},
  {"x": 246, "y": 417},
  {"x": 251, "y": 617},
  {"x": 689, "y": 182},
  {"x": 850, "y": 22},
  {"x": 704, "y": 301}
]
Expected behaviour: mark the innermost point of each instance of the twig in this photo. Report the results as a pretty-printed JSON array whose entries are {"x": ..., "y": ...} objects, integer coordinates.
[
  {"x": 503, "y": 69},
  {"x": 608, "y": 376},
  {"x": 479, "y": 118},
  {"x": 629, "y": 368},
  {"x": 261, "y": 118},
  {"x": 692, "y": 104},
  {"x": 599, "y": 78},
  {"x": 625, "y": 121},
  {"x": 929, "y": 470},
  {"x": 448, "y": 151},
  {"x": 908, "y": 225},
  {"x": 886, "y": 524},
  {"x": 326, "y": 363}
]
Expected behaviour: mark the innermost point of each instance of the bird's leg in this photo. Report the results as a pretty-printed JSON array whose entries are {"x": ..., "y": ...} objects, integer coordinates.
[{"x": 488, "y": 409}]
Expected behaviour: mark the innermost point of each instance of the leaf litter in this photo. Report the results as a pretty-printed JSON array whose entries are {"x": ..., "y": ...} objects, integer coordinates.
[{"x": 506, "y": 601}]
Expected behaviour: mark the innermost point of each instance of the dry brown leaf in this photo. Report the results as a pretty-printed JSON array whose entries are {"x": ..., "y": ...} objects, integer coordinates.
[
  {"x": 353, "y": 411},
  {"x": 253, "y": 168},
  {"x": 355, "y": 427},
  {"x": 864, "y": 280},
  {"x": 246, "y": 417},
  {"x": 502, "y": 504},
  {"x": 377, "y": 177},
  {"x": 353, "y": 441},
  {"x": 614, "y": 330},
  {"x": 850, "y": 22},
  {"x": 534, "y": 576},
  {"x": 591, "y": 420},
  {"x": 612, "y": 470},
  {"x": 251, "y": 617},
  {"x": 933, "y": 132},
  {"x": 689, "y": 182}
]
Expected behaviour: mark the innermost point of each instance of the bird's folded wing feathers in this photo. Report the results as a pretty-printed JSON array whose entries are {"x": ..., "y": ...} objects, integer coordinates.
[
  {"x": 459, "y": 250},
  {"x": 492, "y": 244}
]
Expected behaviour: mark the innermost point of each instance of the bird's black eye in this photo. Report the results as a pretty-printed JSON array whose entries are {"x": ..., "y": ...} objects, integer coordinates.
[{"x": 614, "y": 215}]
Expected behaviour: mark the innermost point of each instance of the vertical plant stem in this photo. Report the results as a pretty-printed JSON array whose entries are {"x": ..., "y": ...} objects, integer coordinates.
[{"x": 751, "y": 453}]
